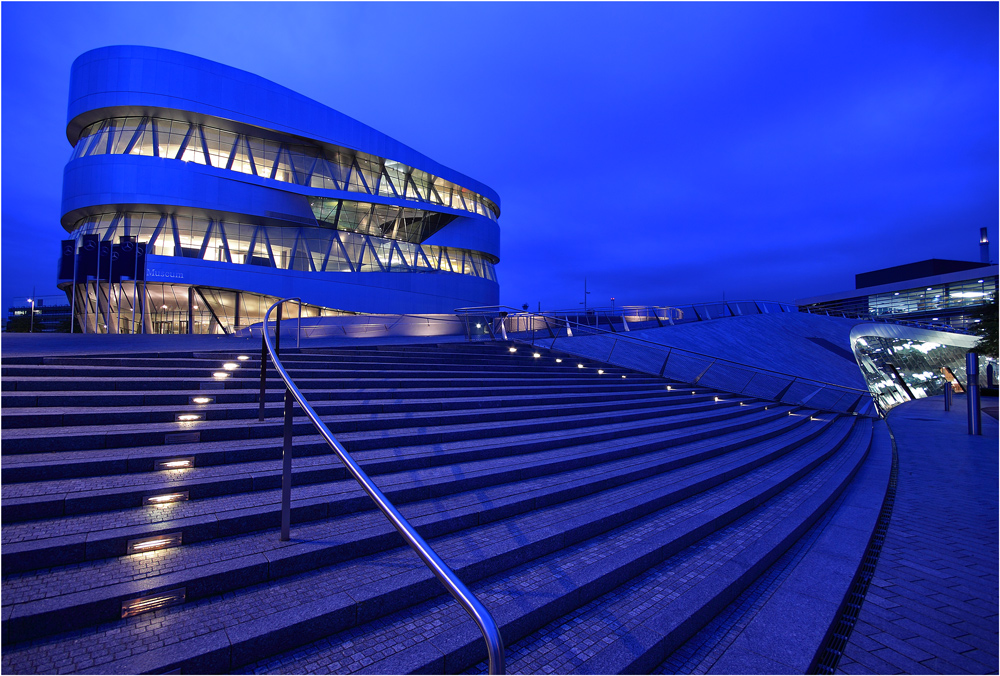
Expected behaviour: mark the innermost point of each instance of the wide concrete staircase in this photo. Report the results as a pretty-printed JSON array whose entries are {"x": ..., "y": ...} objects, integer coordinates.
[{"x": 608, "y": 519}]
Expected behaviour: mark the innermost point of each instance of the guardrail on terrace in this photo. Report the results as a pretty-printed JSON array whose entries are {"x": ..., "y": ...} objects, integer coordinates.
[
  {"x": 476, "y": 610},
  {"x": 688, "y": 366}
]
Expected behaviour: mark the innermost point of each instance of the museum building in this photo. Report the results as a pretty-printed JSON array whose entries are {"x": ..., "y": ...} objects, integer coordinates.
[{"x": 196, "y": 195}]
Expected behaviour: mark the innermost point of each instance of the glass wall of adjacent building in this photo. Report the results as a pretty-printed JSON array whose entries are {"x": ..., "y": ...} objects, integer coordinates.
[
  {"x": 898, "y": 370},
  {"x": 951, "y": 304}
]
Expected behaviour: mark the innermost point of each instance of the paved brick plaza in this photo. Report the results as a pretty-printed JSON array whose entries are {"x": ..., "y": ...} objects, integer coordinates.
[{"x": 932, "y": 607}]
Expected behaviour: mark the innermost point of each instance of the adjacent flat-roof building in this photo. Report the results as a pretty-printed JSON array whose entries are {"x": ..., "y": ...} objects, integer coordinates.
[
  {"x": 934, "y": 291},
  {"x": 197, "y": 194}
]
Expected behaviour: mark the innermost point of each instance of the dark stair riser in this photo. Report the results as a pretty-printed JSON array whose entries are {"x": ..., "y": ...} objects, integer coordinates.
[
  {"x": 18, "y": 558},
  {"x": 463, "y": 647},
  {"x": 86, "y": 608},
  {"x": 272, "y": 429},
  {"x": 25, "y": 418}
]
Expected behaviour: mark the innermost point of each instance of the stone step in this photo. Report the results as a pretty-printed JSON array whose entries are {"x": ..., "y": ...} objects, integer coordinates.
[
  {"x": 320, "y": 381},
  {"x": 386, "y": 457},
  {"x": 86, "y": 537},
  {"x": 453, "y": 427},
  {"x": 246, "y": 395},
  {"x": 67, "y": 599},
  {"x": 70, "y": 416},
  {"x": 226, "y": 632}
]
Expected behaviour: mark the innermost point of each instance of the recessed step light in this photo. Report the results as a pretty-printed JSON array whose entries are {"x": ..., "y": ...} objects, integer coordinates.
[
  {"x": 145, "y": 604},
  {"x": 165, "y": 498},
  {"x": 230, "y": 366},
  {"x": 188, "y": 417},
  {"x": 174, "y": 463},
  {"x": 559, "y": 361},
  {"x": 512, "y": 349},
  {"x": 220, "y": 375},
  {"x": 153, "y": 543},
  {"x": 243, "y": 357},
  {"x": 201, "y": 400}
]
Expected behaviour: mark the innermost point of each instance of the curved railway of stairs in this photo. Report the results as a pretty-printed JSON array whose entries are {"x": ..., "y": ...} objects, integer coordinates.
[{"x": 607, "y": 518}]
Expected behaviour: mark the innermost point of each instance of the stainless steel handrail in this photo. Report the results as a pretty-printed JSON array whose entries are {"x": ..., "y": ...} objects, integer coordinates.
[{"x": 480, "y": 615}]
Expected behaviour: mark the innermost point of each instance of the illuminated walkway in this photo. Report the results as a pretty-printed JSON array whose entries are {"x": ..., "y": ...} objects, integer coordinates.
[{"x": 932, "y": 607}]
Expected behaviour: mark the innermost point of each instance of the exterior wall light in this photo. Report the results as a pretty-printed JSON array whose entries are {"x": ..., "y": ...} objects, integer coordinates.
[
  {"x": 144, "y": 604},
  {"x": 230, "y": 366},
  {"x": 220, "y": 375},
  {"x": 165, "y": 498},
  {"x": 202, "y": 400},
  {"x": 151, "y": 544},
  {"x": 174, "y": 463},
  {"x": 188, "y": 417},
  {"x": 243, "y": 357}
]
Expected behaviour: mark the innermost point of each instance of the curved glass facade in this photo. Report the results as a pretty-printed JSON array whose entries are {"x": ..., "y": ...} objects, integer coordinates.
[
  {"x": 303, "y": 248},
  {"x": 327, "y": 167}
]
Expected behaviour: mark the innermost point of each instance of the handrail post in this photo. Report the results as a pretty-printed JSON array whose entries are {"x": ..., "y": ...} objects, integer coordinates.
[
  {"x": 286, "y": 470},
  {"x": 298, "y": 327},
  {"x": 263, "y": 366},
  {"x": 277, "y": 332}
]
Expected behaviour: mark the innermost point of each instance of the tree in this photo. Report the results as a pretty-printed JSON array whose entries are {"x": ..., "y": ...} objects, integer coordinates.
[{"x": 986, "y": 328}]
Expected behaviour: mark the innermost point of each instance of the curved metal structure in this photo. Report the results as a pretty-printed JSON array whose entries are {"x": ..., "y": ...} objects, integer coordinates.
[
  {"x": 239, "y": 191},
  {"x": 477, "y": 611}
]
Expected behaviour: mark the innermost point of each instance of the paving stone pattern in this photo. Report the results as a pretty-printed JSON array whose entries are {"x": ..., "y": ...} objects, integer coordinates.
[
  {"x": 932, "y": 605},
  {"x": 577, "y": 505}
]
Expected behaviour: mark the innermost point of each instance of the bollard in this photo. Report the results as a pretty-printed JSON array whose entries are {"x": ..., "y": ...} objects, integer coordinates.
[
  {"x": 972, "y": 392},
  {"x": 948, "y": 393}
]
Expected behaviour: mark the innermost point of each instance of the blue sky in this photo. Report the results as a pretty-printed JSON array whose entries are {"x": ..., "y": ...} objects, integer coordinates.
[{"x": 668, "y": 153}]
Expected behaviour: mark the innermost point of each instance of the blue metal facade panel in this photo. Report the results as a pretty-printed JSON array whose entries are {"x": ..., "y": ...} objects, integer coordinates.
[{"x": 145, "y": 78}]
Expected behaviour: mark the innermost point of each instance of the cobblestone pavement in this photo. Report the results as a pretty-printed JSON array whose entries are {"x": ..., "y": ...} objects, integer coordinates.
[{"x": 932, "y": 606}]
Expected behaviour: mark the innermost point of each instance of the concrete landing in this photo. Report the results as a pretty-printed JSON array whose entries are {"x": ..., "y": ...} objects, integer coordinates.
[{"x": 932, "y": 606}]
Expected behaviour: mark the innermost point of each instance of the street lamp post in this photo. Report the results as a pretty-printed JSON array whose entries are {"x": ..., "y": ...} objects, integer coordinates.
[{"x": 31, "y": 322}]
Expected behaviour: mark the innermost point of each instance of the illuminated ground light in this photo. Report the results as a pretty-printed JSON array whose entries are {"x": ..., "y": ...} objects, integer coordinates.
[
  {"x": 243, "y": 357},
  {"x": 202, "y": 400},
  {"x": 165, "y": 498},
  {"x": 220, "y": 375},
  {"x": 512, "y": 349},
  {"x": 144, "y": 604},
  {"x": 188, "y": 417},
  {"x": 175, "y": 463},
  {"x": 151, "y": 544},
  {"x": 230, "y": 366}
]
